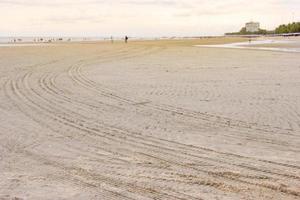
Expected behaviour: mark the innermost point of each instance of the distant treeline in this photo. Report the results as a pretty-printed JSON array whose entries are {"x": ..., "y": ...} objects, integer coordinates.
[
  {"x": 289, "y": 28},
  {"x": 244, "y": 32},
  {"x": 282, "y": 29}
]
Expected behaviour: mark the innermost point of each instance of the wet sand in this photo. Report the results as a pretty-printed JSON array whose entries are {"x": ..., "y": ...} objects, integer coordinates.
[
  {"x": 149, "y": 120},
  {"x": 281, "y": 44}
]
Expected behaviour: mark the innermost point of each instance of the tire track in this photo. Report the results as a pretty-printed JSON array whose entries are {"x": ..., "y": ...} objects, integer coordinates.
[
  {"x": 44, "y": 100},
  {"x": 96, "y": 131}
]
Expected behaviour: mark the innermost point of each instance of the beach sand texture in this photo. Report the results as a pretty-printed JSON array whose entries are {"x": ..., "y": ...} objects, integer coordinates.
[{"x": 149, "y": 120}]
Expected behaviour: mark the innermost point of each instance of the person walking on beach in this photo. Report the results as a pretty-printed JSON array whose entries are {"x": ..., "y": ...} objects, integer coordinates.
[{"x": 126, "y": 39}]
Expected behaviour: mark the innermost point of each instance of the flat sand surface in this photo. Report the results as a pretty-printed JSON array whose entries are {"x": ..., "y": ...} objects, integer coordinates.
[{"x": 149, "y": 120}]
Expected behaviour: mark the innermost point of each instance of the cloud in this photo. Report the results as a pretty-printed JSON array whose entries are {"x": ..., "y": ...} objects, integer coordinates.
[
  {"x": 52, "y": 2},
  {"x": 142, "y": 17},
  {"x": 76, "y": 20}
]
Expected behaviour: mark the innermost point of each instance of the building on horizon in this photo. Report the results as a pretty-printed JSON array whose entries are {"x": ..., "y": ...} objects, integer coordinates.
[{"x": 252, "y": 27}]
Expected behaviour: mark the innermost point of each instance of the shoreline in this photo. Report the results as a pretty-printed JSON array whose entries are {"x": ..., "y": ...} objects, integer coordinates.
[
  {"x": 278, "y": 44},
  {"x": 265, "y": 44}
]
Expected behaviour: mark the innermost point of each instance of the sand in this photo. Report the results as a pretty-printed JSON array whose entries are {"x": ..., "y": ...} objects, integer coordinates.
[{"x": 149, "y": 120}]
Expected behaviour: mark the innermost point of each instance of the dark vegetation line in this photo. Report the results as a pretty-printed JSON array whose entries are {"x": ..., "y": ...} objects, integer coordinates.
[{"x": 282, "y": 29}]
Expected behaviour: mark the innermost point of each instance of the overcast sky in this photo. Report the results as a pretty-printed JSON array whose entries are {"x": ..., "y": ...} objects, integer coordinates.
[{"x": 140, "y": 17}]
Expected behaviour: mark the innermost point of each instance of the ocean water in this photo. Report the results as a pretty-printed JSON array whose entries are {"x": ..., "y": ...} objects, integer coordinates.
[
  {"x": 41, "y": 41},
  {"x": 251, "y": 45},
  {"x": 9, "y": 40}
]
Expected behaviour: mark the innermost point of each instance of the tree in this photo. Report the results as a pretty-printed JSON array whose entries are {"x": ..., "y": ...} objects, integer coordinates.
[
  {"x": 243, "y": 31},
  {"x": 289, "y": 28}
]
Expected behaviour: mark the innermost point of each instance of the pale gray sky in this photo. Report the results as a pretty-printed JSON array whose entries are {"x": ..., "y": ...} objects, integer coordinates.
[{"x": 140, "y": 17}]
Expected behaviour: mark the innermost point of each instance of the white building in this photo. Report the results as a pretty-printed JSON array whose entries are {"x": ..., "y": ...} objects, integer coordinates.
[{"x": 252, "y": 27}]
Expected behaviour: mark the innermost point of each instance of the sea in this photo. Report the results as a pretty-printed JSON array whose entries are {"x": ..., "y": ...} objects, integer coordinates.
[
  {"x": 295, "y": 47},
  {"x": 6, "y": 40}
]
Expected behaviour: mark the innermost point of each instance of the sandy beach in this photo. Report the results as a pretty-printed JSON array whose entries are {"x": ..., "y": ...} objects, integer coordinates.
[{"x": 149, "y": 120}]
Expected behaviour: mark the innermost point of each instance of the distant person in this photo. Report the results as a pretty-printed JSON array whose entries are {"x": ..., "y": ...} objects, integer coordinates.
[
  {"x": 126, "y": 39},
  {"x": 249, "y": 40},
  {"x": 112, "y": 39}
]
